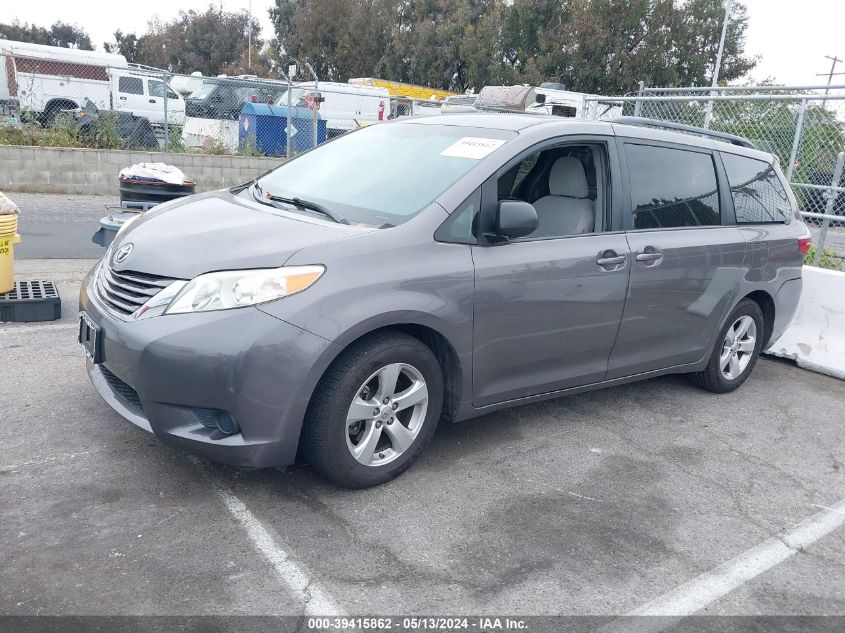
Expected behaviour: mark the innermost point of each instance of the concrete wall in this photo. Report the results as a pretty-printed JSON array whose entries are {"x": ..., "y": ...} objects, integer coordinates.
[
  {"x": 816, "y": 337},
  {"x": 94, "y": 171}
]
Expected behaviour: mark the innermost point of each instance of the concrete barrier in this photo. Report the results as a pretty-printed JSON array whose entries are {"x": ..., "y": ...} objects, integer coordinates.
[
  {"x": 94, "y": 171},
  {"x": 816, "y": 337}
]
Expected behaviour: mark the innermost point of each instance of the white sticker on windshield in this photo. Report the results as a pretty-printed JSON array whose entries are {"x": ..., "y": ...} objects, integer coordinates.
[{"x": 472, "y": 147}]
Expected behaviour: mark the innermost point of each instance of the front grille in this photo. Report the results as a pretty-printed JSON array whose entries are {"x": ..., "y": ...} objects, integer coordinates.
[
  {"x": 122, "y": 390},
  {"x": 126, "y": 291}
]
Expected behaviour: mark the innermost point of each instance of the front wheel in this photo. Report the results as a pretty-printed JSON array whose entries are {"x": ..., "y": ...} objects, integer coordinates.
[
  {"x": 374, "y": 411},
  {"x": 736, "y": 351}
]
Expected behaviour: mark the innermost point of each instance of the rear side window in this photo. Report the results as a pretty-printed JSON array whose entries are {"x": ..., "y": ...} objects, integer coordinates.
[
  {"x": 758, "y": 194},
  {"x": 672, "y": 187},
  {"x": 130, "y": 85}
]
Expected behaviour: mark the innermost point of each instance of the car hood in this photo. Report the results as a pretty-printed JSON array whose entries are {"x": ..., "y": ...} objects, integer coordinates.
[{"x": 219, "y": 231}]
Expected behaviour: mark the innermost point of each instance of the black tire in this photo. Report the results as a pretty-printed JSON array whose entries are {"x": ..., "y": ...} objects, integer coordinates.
[
  {"x": 53, "y": 110},
  {"x": 324, "y": 435},
  {"x": 711, "y": 378}
]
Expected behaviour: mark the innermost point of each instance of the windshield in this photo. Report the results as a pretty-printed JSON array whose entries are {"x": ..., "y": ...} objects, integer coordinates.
[
  {"x": 204, "y": 91},
  {"x": 385, "y": 173},
  {"x": 296, "y": 95}
]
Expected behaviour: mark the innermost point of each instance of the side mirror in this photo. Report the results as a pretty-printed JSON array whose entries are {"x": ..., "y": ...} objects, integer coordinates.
[
  {"x": 515, "y": 218},
  {"x": 540, "y": 98}
]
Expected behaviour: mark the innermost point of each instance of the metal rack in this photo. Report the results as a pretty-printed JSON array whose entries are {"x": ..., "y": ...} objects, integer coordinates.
[{"x": 680, "y": 127}]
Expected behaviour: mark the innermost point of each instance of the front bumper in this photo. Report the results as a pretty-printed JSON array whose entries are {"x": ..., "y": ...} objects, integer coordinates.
[{"x": 159, "y": 372}]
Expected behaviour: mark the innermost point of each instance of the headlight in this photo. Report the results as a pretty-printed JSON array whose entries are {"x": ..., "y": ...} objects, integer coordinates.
[{"x": 239, "y": 288}]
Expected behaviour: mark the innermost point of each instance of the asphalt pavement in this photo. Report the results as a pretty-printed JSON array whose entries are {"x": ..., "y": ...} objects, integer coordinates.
[
  {"x": 60, "y": 226},
  {"x": 594, "y": 504}
]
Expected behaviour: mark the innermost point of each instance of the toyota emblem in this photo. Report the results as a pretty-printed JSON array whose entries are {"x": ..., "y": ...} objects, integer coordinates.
[{"x": 122, "y": 253}]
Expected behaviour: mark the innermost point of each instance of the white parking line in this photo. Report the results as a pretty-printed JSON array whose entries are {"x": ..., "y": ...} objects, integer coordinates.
[
  {"x": 296, "y": 579},
  {"x": 712, "y": 585}
]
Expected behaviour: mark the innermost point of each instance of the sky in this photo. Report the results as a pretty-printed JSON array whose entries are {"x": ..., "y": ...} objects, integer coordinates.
[{"x": 790, "y": 37}]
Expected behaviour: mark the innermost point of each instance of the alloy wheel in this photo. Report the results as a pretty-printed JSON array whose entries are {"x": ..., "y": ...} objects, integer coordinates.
[
  {"x": 738, "y": 347},
  {"x": 386, "y": 414}
]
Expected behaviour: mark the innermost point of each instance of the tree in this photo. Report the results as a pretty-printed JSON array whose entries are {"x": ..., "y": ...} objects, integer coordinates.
[
  {"x": 124, "y": 44},
  {"x": 602, "y": 46},
  {"x": 208, "y": 41},
  {"x": 59, "y": 34},
  {"x": 607, "y": 46},
  {"x": 340, "y": 38}
]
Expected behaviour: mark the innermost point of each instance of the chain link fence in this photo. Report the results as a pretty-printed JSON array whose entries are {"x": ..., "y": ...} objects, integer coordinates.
[
  {"x": 804, "y": 126},
  {"x": 65, "y": 103}
]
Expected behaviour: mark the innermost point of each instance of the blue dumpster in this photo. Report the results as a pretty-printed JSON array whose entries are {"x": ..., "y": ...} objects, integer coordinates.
[{"x": 264, "y": 127}]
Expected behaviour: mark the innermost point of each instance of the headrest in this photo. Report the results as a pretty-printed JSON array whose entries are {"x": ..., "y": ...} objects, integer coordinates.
[{"x": 567, "y": 178}]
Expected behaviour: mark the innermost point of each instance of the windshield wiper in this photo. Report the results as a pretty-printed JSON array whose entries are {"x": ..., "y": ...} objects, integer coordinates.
[
  {"x": 308, "y": 206},
  {"x": 269, "y": 198}
]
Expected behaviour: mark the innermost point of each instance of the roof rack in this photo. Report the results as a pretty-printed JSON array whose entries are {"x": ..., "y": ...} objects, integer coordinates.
[{"x": 668, "y": 125}]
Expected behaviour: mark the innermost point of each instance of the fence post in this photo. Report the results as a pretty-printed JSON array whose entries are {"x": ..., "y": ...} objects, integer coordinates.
[
  {"x": 316, "y": 105},
  {"x": 290, "y": 105},
  {"x": 638, "y": 105},
  {"x": 828, "y": 209},
  {"x": 164, "y": 78},
  {"x": 793, "y": 155}
]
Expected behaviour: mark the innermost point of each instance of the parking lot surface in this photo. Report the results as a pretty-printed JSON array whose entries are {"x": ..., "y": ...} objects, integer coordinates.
[
  {"x": 591, "y": 504},
  {"x": 60, "y": 225}
]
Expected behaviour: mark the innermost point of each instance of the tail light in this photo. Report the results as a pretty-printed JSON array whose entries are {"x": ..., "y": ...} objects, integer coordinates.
[{"x": 804, "y": 244}]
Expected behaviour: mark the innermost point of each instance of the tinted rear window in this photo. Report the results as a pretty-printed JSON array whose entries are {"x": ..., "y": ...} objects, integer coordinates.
[
  {"x": 758, "y": 195},
  {"x": 672, "y": 187}
]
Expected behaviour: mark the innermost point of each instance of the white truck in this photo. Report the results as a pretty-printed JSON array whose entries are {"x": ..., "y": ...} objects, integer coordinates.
[
  {"x": 555, "y": 99},
  {"x": 47, "y": 80}
]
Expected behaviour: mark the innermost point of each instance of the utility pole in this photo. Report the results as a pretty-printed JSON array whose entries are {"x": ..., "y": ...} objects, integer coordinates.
[
  {"x": 249, "y": 40},
  {"x": 709, "y": 113},
  {"x": 835, "y": 60}
]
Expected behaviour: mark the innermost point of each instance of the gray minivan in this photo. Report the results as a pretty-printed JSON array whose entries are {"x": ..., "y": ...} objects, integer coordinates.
[{"x": 445, "y": 267}]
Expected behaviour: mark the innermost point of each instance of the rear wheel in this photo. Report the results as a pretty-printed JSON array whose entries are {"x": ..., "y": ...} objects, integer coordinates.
[
  {"x": 53, "y": 110},
  {"x": 374, "y": 411},
  {"x": 736, "y": 351}
]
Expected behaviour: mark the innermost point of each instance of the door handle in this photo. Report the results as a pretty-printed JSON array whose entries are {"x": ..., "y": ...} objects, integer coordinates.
[
  {"x": 650, "y": 256},
  {"x": 610, "y": 258},
  {"x": 123, "y": 98},
  {"x": 610, "y": 261},
  {"x": 152, "y": 100}
]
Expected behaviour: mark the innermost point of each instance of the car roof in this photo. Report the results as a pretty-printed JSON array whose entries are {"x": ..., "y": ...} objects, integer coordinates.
[
  {"x": 490, "y": 120},
  {"x": 516, "y": 122}
]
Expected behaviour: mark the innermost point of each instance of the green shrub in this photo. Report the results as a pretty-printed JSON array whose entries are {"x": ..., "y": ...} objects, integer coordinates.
[
  {"x": 829, "y": 259},
  {"x": 175, "y": 144},
  {"x": 214, "y": 147},
  {"x": 248, "y": 148},
  {"x": 58, "y": 134},
  {"x": 102, "y": 133}
]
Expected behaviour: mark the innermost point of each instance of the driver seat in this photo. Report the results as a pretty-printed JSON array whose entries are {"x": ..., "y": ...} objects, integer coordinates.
[{"x": 566, "y": 210}]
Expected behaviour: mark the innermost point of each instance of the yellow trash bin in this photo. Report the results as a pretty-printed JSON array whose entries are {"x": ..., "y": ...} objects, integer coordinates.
[{"x": 8, "y": 238}]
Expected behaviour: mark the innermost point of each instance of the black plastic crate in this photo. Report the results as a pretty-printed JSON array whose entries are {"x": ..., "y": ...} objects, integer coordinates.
[{"x": 31, "y": 301}]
